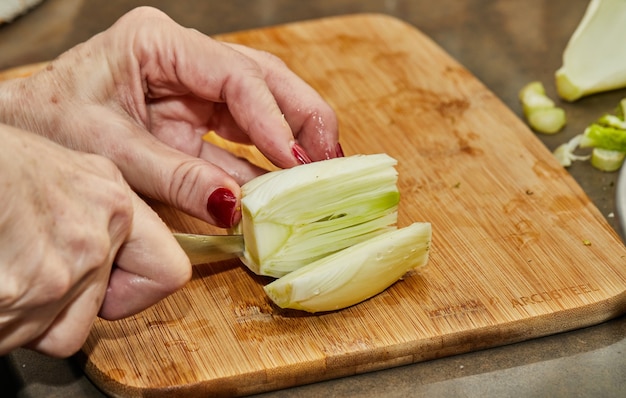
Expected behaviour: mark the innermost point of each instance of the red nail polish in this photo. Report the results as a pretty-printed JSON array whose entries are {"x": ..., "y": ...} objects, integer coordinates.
[
  {"x": 300, "y": 154},
  {"x": 222, "y": 205},
  {"x": 339, "y": 150}
]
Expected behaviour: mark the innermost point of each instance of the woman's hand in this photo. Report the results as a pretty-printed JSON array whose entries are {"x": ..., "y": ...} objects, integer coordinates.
[
  {"x": 145, "y": 91},
  {"x": 66, "y": 217}
]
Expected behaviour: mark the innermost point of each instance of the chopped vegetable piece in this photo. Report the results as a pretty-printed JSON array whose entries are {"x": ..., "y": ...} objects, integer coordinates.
[
  {"x": 605, "y": 137},
  {"x": 533, "y": 96},
  {"x": 565, "y": 152},
  {"x": 540, "y": 111},
  {"x": 547, "y": 121},
  {"x": 607, "y": 160},
  {"x": 592, "y": 61},
  {"x": 612, "y": 121},
  {"x": 353, "y": 274},
  {"x": 293, "y": 217}
]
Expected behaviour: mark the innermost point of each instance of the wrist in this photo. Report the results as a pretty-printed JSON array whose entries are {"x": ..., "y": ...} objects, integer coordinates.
[
  {"x": 13, "y": 103},
  {"x": 7, "y": 98},
  {"x": 21, "y": 101}
]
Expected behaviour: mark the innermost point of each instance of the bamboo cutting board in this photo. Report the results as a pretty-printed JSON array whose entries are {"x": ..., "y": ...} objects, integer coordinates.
[{"x": 518, "y": 251}]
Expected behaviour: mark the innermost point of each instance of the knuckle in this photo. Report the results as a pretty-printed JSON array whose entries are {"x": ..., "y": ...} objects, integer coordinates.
[
  {"x": 249, "y": 67},
  {"x": 42, "y": 291},
  {"x": 265, "y": 63},
  {"x": 54, "y": 287},
  {"x": 120, "y": 222},
  {"x": 176, "y": 281},
  {"x": 68, "y": 349},
  {"x": 183, "y": 185},
  {"x": 272, "y": 59},
  {"x": 97, "y": 255},
  {"x": 116, "y": 195},
  {"x": 142, "y": 14},
  {"x": 64, "y": 346},
  {"x": 10, "y": 293}
]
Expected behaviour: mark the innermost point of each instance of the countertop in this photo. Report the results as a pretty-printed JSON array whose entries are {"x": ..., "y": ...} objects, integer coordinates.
[{"x": 506, "y": 44}]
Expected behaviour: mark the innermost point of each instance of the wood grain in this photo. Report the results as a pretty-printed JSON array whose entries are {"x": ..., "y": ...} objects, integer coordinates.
[{"x": 518, "y": 252}]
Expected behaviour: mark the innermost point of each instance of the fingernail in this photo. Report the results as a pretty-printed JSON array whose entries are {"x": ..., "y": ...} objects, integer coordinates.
[
  {"x": 300, "y": 154},
  {"x": 339, "y": 150},
  {"x": 222, "y": 205}
]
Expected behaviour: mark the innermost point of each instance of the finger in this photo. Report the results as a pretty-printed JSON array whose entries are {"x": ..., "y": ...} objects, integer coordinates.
[
  {"x": 159, "y": 171},
  {"x": 312, "y": 120},
  {"x": 250, "y": 102},
  {"x": 216, "y": 72},
  {"x": 187, "y": 138},
  {"x": 150, "y": 265}
]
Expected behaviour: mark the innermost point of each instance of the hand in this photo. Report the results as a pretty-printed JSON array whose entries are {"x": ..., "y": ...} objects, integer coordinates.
[
  {"x": 66, "y": 217},
  {"x": 145, "y": 91}
]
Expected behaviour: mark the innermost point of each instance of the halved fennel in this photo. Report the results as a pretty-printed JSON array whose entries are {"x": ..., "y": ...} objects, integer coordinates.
[{"x": 293, "y": 217}]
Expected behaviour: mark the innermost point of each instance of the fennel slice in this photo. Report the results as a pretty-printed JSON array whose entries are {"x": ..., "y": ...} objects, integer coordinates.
[
  {"x": 607, "y": 160},
  {"x": 354, "y": 274}
]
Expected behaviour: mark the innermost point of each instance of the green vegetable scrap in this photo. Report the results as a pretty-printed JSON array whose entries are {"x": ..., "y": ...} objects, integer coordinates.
[
  {"x": 540, "y": 111},
  {"x": 607, "y": 160},
  {"x": 564, "y": 153},
  {"x": 593, "y": 60},
  {"x": 607, "y": 138},
  {"x": 598, "y": 135}
]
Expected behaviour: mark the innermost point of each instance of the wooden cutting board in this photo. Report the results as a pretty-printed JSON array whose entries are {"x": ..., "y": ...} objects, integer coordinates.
[{"x": 518, "y": 252}]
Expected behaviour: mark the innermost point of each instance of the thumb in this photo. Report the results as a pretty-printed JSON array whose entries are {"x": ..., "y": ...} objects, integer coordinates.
[{"x": 149, "y": 266}]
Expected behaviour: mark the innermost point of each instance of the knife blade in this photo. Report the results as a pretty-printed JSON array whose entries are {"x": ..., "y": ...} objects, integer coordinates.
[{"x": 202, "y": 249}]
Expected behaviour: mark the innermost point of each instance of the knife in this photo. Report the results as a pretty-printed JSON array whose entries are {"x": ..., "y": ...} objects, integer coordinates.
[{"x": 202, "y": 249}]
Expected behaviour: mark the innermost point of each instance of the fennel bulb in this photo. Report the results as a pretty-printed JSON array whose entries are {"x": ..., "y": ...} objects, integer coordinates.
[{"x": 293, "y": 217}]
